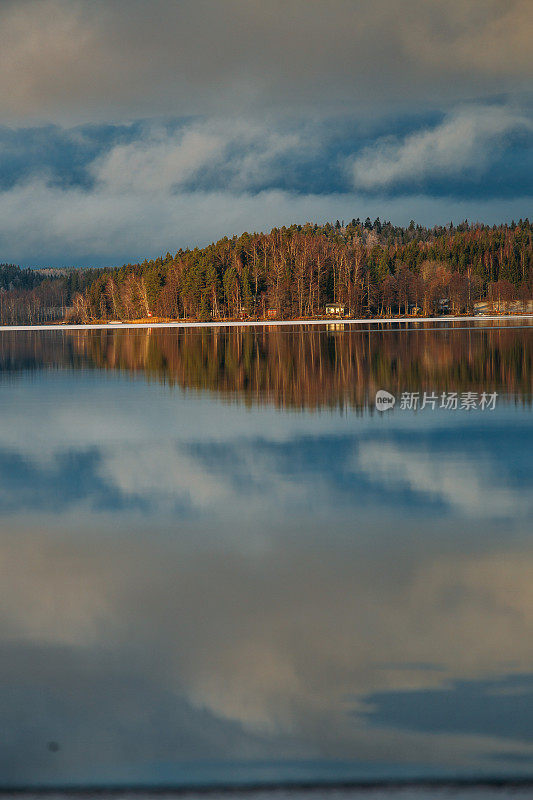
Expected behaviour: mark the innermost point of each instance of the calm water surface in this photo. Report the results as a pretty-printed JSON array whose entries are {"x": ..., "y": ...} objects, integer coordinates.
[{"x": 219, "y": 564}]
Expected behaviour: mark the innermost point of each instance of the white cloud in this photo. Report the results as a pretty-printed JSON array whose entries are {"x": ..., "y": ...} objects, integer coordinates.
[
  {"x": 464, "y": 141},
  {"x": 159, "y": 161}
]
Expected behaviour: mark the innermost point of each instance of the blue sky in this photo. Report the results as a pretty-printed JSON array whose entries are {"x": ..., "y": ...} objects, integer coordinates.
[{"x": 130, "y": 129}]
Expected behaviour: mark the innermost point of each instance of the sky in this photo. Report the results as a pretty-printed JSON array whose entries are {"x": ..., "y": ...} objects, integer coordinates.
[{"x": 129, "y": 129}]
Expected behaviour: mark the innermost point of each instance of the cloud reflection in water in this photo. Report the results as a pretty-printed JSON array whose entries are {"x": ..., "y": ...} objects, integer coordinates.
[{"x": 176, "y": 588}]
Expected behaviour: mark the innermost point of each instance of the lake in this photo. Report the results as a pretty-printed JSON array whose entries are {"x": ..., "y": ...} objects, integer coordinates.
[{"x": 222, "y": 566}]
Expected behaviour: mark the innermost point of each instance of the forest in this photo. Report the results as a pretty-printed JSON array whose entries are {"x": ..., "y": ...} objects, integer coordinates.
[
  {"x": 36, "y": 296},
  {"x": 371, "y": 268}
]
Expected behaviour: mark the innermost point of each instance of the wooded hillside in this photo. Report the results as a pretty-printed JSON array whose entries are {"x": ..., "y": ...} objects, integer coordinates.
[{"x": 370, "y": 267}]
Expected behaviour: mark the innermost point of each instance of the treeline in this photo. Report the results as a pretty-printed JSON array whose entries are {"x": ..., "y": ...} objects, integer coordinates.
[
  {"x": 32, "y": 296},
  {"x": 372, "y": 268}
]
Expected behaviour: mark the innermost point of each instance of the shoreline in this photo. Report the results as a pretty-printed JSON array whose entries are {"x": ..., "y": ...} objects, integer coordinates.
[{"x": 260, "y": 323}]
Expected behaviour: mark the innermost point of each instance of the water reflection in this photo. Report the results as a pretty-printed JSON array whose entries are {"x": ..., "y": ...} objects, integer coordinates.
[
  {"x": 192, "y": 591},
  {"x": 298, "y": 367}
]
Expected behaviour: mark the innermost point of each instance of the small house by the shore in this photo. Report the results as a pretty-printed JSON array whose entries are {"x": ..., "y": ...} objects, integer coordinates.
[{"x": 335, "y": 310}]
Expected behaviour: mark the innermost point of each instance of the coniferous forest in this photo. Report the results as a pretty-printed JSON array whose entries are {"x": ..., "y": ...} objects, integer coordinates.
[{"x": 371, "y": 268}]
